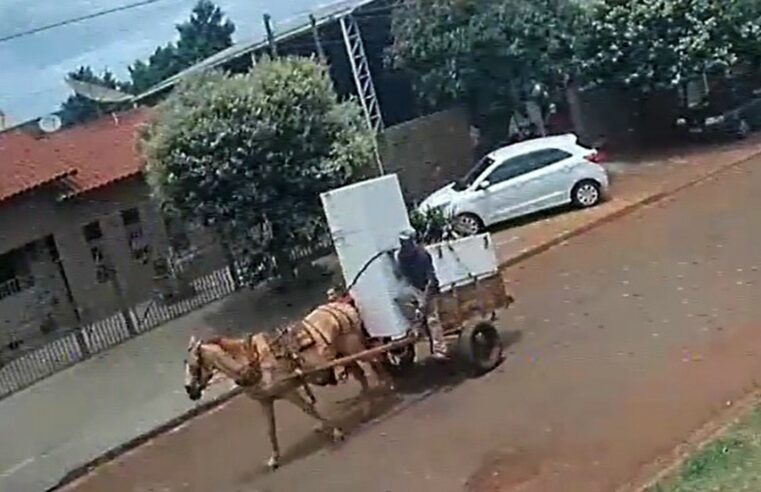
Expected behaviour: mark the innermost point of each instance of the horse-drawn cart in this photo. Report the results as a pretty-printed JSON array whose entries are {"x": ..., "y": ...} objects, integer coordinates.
[
  {"x": 467, "y": 311},
  {"x": 471, "y": 292},
  {"x": 366, "y": 332}
]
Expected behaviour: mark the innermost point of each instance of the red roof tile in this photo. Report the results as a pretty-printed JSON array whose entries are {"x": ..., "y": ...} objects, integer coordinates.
[
  {"x": 91, "y": 155},
  {"x": 25, "y": 164}
]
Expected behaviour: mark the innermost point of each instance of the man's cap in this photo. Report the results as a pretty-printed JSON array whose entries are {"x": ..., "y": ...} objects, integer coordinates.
[{"x": 407, "y": 235}]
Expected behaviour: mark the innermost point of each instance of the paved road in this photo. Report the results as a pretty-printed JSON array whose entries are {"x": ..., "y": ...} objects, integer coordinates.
[{"x": 624, "y": 340}]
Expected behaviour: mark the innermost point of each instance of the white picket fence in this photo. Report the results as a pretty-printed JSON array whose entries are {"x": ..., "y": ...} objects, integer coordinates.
[
  {"x": 208, "y": 288},
  {"x": 41, "y": 363},
  {"x": 101, "y": 335},
  {"x": 105, "y": 333}
]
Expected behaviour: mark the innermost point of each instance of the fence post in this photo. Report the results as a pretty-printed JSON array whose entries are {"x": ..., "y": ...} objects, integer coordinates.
[
  {"x": 123, "y": 307},
  {"x": 230, "y": 261},
  {"x": 82, "y": 343}
]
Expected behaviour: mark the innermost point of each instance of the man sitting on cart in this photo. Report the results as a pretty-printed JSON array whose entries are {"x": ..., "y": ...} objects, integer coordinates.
[{"x": 414, "y": 265}]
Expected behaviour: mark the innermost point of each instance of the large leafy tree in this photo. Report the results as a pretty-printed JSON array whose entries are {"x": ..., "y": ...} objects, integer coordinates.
[
  {"x": 659, "y": 44},
  {"x": 489, "y": 54},
  {"x": 204, "y": 34},
  {"x": 77, "y": 108},
  {"x": 249, "y": 154}
]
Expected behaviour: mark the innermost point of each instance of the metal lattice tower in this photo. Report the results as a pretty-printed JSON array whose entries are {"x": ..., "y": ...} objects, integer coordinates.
[
  {"x": 360, "y": 68},
  {"x": 363, "y": 79}
]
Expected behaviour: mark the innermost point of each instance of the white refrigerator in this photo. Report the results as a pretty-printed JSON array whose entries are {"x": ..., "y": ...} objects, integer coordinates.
[{"x": 365, "y": 220}]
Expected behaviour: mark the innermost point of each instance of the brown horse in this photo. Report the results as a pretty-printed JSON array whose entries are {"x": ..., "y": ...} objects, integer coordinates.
[{"x": 264, "y": 364}]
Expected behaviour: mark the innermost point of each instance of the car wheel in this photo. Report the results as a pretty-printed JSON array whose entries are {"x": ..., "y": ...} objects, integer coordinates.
[
  {"x": 743, "y": 129},
  {"x": 468, "y": 224},
  {"x": 586, "y": 194}
]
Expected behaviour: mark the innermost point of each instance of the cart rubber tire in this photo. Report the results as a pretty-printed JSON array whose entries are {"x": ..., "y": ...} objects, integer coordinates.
[
  {"x": 401, "y": 361},
  {"x": 480, "y": 347}
]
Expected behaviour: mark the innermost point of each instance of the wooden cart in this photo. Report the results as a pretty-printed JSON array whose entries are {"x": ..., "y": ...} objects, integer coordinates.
[{"x": 467, "y": 312}]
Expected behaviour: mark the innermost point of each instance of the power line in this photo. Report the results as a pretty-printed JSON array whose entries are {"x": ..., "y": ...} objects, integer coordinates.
[{"x": 74, "y": 20}]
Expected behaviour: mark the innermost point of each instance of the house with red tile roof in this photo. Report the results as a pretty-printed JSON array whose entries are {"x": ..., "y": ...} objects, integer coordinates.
[{"x": 79, "y": 234}]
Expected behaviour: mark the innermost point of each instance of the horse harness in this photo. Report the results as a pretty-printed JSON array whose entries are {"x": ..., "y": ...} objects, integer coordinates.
[
  {"x": 287, "y": 345},
  {"x": 342, "y": 319}
]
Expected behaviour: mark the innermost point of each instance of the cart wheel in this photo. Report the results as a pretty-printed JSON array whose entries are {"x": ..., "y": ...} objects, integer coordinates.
[
  {"x": 480, "y": 346},
  {"x": 400, "y": 361}
]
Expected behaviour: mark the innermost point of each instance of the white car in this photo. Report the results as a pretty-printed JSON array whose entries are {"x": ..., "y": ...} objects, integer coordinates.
[{"x": 521, "y": 179}]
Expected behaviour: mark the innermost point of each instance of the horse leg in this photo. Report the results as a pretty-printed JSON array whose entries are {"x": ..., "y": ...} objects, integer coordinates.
[
  {"x": 308, "y": 408},
  {"x": 378, "y": 371},
  {"x": 384, "y": 377},
  {"x": 268, "y": 408},
  {"x": 358, "y": 373}
]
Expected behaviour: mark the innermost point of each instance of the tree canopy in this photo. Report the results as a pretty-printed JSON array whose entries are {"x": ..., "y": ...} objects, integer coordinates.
[
  {"x": 249, "y": 154},
  {"x": 205, "y": 33},
  {"x": 653, "y": 44},
  {"x": 490, "y": 53},
  {"x": 487, "y": 53}
]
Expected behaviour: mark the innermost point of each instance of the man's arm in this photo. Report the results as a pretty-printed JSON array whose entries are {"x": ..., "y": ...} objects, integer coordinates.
[
  {"x": 395, "y": 264},
  {"x": 433, "y": 280}
]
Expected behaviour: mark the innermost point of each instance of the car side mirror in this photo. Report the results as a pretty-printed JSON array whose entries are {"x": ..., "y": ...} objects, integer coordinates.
[{"x": 484, "y": 185}]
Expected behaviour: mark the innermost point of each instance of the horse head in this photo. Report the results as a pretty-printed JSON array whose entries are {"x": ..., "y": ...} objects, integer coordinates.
[
  {"x": 198, "y": 370},
  {"x": 338, "y": 294}
]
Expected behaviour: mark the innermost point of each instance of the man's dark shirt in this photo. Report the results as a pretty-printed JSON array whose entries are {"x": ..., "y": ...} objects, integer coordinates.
[{"x": 416, "y": 265}]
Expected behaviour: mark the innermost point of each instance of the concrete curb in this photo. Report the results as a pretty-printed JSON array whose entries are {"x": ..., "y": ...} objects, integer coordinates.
[
  {"x": 206, "y": 407},
  {"x": 138, "y": 441},
  {"x": 616, "y": 214}
]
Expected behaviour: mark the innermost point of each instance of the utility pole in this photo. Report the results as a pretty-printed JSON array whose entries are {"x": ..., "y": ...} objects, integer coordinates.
[
  {"x": 270, "y": 35},
  {"x": 317, "y": 40}
]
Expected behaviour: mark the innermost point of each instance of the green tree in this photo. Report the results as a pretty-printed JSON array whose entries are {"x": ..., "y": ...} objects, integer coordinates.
[
  {"x": 78, "y": 108},
  {"x": 204, "y": 34},
  {"x": 486, "y": 53},
  {"x": 659, "y": 44},
  {"x": 248, "y": 156},
  {"x": 162, "y": 64}
]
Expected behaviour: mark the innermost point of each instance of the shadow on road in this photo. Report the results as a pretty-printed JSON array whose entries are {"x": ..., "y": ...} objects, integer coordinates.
[{"x": 427, "y": 378}]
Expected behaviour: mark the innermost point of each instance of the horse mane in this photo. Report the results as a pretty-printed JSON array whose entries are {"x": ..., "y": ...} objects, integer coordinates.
[{"x": 232, "y": 346}]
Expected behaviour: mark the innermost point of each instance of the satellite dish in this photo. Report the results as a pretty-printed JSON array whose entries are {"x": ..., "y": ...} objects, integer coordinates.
[
  {"x": 49, "y": 123},
  {"x": 96, "y": 92}
]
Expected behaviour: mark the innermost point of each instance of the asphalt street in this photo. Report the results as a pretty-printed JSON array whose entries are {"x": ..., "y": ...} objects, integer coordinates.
[{"x": 622, "y": 342}]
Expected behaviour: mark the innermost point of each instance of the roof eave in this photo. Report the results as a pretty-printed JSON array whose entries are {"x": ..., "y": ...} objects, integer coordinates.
[
  {"x": 50, "y": 180},
  {"x": 78, "y": 193}
]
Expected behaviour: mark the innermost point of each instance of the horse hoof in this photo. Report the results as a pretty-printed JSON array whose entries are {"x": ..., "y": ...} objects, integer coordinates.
[
  {"x": 273, "y": 463},
  {"x": 338, "y": 435}
]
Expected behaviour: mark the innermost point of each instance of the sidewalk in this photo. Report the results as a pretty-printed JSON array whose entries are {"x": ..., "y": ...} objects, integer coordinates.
[
  {"x": 77, "y": 415},
  {"x": 80, "y": 413}
]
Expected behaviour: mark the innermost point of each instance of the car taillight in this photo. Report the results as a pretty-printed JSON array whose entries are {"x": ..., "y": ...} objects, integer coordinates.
[{"x": 596, "y": 157}]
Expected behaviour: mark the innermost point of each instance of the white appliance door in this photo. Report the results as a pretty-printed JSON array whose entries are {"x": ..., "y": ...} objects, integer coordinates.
[{"x": 365, "y": 220}]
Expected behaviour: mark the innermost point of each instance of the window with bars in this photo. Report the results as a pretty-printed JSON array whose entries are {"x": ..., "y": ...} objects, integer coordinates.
[
  {"x": 94, "y": 237},
  {"x": 138, "y": 244},
  {"x": 15, "y": 274}
]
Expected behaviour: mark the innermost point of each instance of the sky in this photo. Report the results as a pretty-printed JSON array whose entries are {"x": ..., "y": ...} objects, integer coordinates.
[{"x": 32, "y": 68}]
